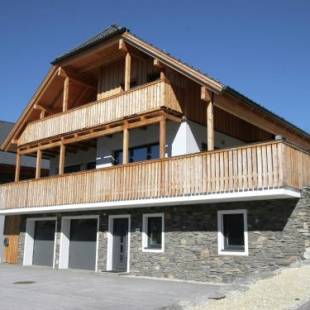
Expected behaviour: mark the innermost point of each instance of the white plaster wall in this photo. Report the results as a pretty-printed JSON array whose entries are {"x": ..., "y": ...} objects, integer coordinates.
[{"x": 188, "y": 137}]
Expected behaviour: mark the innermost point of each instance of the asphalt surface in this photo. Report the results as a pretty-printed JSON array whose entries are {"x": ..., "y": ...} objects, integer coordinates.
[{"x": 25, "y": 288}]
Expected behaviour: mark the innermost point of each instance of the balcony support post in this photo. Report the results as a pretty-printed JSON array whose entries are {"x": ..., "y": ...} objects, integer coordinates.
[
  {"x": 162, "y": 137},
  {"x": 127, "y": 71},
  {"x": 210, "y": 123},
  {"x": 17, "y": 167},
  {"x": 65, "y": 101},
  {"x": 62, "y": 156},
  {"x": 208, "y": 98},
  {"x": 125, "y": 145},
  {"x": 38, "y": 164}
]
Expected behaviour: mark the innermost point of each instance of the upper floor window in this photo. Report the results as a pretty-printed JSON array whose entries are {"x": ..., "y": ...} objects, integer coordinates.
[{"x": 139, "y": 153}]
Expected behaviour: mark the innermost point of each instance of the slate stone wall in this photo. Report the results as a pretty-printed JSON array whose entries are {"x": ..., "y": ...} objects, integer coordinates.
[{"x": 278, "y": 233}]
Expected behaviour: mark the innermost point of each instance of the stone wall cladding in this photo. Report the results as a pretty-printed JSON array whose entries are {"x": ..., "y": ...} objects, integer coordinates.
[{"x": 278, "y": 233}]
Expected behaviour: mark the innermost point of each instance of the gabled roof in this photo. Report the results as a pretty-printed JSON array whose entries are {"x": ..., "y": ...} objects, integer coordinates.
[
  {"x": 115, "y": 31},
  {"x": 105, "y": 35}
]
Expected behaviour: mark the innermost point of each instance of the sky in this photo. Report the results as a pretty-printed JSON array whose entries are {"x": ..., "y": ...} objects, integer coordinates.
[{"x": 260, "y": 48}]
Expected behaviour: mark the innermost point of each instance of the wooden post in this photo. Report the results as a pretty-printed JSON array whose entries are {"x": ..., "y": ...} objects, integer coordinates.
[
  {"x": 208, "y": 97},
  {"x": 65, "y": 95},
  {"x": 127, "y": 71},
  {"x": 125, "y": 145},
  {"x": 42, "y": 114},
  {"x": 162, "y": 137},
  {"x": 17, "y": 168},
  {"x": 210, "y": 125},
  {"x": 62, "y": 157},
  {"x": 38, "y": 164}
]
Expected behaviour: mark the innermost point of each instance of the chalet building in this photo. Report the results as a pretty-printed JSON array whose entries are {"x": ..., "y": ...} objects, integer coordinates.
[
  {"x": 156, "y": 169},
  {"x": 7, "y": 172}
]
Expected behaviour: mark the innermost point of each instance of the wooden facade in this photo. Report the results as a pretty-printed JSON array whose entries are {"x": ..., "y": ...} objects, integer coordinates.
[
  {"x": 270, "y": 165},
  {"x": 146, "y": 98},
  {"x": 123, "y": 84}
]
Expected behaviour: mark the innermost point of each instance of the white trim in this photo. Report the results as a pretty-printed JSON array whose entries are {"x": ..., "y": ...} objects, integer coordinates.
[
  {"x": 110, "y": 240},
  {"x": 220, "y": 228},
  {"x": 146, "y": 217},
  {"x": 65, "y": 239},
  {"x": 29, "y": 239},
  {"x": 183, "y": 200}
]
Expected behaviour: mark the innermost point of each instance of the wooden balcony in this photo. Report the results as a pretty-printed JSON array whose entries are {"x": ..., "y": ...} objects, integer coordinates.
[
  {"x": 139, "y": 100},
  {"x": 264, "y": 166}
]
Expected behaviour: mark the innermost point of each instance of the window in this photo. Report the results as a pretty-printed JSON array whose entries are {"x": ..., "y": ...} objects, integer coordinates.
[
  {"x": 153, "y": 76},
  {"x": 146, "y": 152},
  {"x": 153, "y": 233},
  {"x": 91, "y": 165},
  {"x": 73, "y": 168},
  {"x": 232, "y": 232}
]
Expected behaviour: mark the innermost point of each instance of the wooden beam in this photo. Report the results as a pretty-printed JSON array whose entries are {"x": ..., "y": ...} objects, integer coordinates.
[
  {"x": 205, "y": 94},
  {"x": 84, "y": 79},
  {"x": 162, "y": 137},
  {"x": 108, "y": 129},
  {"x": 17, "y": 168},
  {"x": 38, "y": 164},
  {"x": 122, "y": 45},
  {"x": 210, "y": 125},
  {"x": 127, "y": 71},
  {"x": 42, "y": 108},
  {"x": 42, "y": 114},
  {"x": 65, "y": 101},
  {"x": 125, "y": 145},
  {"x": 157, "y": 63},
  {"x": 62, "y": 157}
]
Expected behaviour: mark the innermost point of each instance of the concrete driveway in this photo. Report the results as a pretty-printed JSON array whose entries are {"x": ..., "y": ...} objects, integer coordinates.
[{"x": 68, "y": 289}]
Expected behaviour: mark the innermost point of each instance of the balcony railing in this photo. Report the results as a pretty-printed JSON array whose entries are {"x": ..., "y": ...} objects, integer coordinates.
[
  {"x": 139, "y": 100},
  {"x": 255, "y": 167}
]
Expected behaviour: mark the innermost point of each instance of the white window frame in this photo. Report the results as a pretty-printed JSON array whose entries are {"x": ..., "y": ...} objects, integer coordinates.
[
  {"x": 145, "y": 233},
  {"x": 220, "y": 228}
]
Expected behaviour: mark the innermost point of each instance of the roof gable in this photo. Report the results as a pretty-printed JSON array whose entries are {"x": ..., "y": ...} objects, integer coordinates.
[{"x": 194, "y": 74}]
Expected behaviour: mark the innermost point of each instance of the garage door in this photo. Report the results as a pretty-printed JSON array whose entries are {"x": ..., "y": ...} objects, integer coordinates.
[
  {"x": 43, "y": 247},
  {"x": 82, "y": 249}
]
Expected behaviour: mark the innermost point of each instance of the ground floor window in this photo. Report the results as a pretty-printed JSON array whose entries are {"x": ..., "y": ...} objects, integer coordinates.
[
  {"x": 232, "y": 232},
  {"x": 153, "y": 232}
]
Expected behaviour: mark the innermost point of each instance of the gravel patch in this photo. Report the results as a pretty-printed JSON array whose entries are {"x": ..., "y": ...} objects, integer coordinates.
[{"x": 287, "y": 289}]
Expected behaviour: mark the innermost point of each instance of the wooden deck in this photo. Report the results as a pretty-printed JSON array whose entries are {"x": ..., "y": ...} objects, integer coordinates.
[
  {"x": 270, "y": 165},
  {"x": 138, "y": 100}
]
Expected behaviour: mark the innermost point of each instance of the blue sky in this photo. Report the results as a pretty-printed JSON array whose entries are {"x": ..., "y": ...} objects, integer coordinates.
[{"x": 260, "y": 48}]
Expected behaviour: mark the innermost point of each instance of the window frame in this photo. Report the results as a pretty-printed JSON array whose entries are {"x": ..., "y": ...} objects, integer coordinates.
[
  {"x": 220, "y": 231},
  {"x": 145, "y": 232}
]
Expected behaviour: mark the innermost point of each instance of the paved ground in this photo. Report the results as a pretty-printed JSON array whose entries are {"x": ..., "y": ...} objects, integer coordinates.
[
  {"x": 68, "y": 289},
  {"x": 306, "y": 306}
]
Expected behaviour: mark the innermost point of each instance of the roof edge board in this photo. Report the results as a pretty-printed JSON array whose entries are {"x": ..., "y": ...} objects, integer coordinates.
[
  {"x": 154, "y": 52},
  {"x": 284, "y": 122},
  {"x": 6, "y": 143}
]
